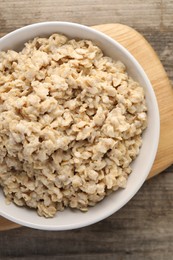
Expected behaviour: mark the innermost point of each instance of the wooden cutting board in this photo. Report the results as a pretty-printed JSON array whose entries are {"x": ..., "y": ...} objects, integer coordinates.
[{"x": 143, "y": 52}]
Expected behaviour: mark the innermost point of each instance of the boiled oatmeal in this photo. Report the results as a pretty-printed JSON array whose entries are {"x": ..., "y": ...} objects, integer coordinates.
[{"x": 71, "y": 121}]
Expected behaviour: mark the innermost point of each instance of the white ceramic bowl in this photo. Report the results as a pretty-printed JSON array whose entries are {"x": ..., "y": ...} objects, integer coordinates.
[{"x": 141, "y": 166}]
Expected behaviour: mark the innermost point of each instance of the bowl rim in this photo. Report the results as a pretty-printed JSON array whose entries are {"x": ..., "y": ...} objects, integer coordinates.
[{"x": 157, "y": 127}]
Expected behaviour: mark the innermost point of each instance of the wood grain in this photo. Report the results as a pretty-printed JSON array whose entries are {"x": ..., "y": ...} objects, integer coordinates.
[
  {"x": 5, "y": 224},
  {"x": 146, "y": 56},
  {"x": 141, "y": 15}
]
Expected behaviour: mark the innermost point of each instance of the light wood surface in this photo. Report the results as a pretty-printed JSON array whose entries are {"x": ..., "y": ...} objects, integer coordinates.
[{"x": 146, "y": 56}]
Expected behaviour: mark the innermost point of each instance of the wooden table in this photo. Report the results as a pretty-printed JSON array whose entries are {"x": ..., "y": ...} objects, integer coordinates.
[{"x": 143, "y": 229}]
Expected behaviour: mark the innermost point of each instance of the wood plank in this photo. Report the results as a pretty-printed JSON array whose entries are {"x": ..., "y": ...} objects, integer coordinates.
[{"x": 143, "y": 15}]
